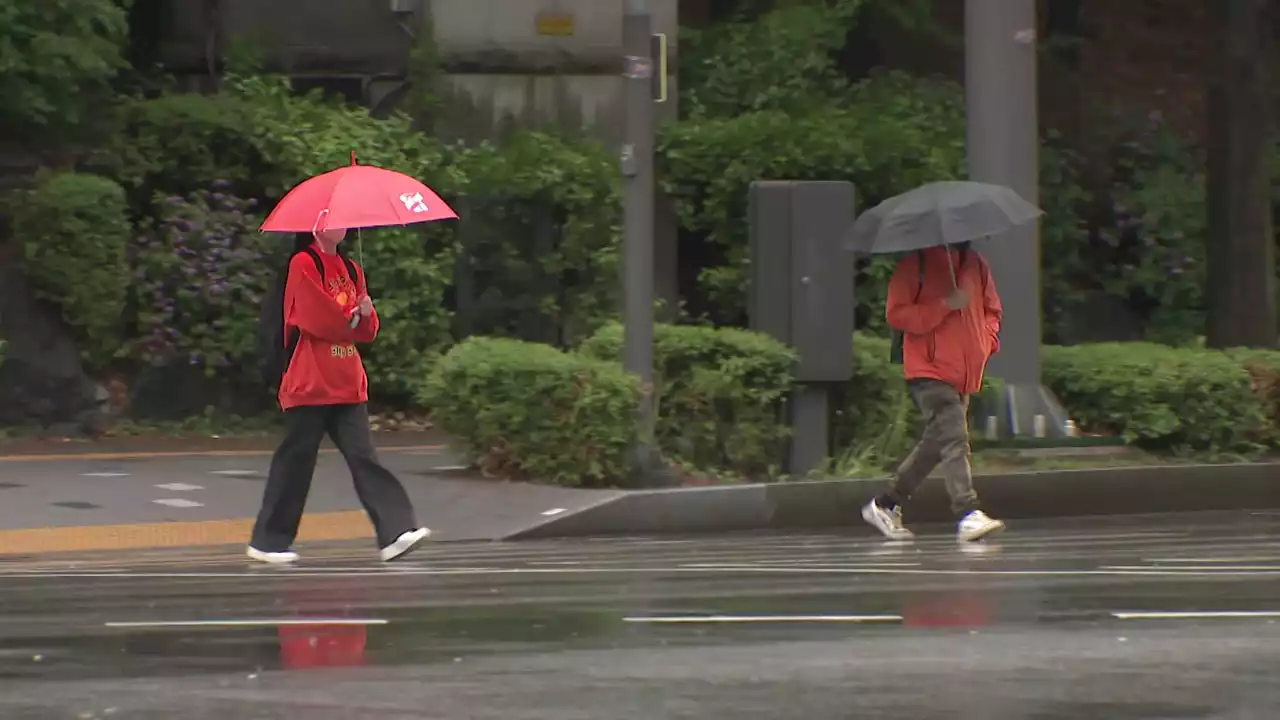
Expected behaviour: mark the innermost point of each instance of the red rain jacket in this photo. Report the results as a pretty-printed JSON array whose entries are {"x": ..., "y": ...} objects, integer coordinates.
[{"x": 952, "y": 346}]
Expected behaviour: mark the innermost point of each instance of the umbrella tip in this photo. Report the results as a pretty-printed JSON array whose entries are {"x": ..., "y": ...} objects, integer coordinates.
[{"x": 353, "y": 157}]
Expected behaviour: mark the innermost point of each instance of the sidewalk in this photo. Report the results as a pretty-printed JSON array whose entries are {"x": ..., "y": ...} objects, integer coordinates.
[
  {"x": 152, "y": 446},
  {"x": 139, "y": 493}
]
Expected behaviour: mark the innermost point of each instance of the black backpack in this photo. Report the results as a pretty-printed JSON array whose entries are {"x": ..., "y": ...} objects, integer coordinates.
[{"x": 274, "y": 355}]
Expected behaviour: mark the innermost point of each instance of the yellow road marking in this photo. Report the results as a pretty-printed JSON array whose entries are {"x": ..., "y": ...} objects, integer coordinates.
[
  {"x": 186, "y": 454},
  {"x": 346, "y": 525}
]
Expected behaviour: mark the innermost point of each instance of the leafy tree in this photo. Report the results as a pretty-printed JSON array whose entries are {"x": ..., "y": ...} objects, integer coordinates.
[{"x": 58, "y": 59}]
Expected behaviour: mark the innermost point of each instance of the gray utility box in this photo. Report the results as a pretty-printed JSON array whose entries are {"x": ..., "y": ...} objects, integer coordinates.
[
  {"x": 801, "y": 277},
  {"x": 802, "y": 294}
]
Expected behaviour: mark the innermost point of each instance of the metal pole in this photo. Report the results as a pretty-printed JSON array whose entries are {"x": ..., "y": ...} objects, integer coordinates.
[
  {"x": 637, "y": 172},
  {"x": 1003, "y": 145}
]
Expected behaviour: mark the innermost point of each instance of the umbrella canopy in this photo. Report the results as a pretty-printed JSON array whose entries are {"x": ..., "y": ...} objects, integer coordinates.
[
  {"x": 941, "y": 213},
  {"x": 356, "y": 196}
]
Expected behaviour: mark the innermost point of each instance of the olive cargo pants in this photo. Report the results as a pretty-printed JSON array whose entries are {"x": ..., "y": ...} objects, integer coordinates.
[{"x": 944, "y": 444}]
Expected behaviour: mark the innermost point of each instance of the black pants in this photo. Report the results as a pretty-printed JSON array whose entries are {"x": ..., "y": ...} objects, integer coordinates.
[{"x": 294, "y": 463}]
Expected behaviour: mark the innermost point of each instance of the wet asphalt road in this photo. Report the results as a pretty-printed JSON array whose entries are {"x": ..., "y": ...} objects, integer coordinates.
[{"x": 1156, "y": 617}]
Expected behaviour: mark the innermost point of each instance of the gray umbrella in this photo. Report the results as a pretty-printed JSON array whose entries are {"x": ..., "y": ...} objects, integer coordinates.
[{"x": 941, "y": 213}]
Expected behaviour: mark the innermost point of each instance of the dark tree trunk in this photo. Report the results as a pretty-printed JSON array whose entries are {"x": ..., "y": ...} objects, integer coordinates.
[{"x": 1241, "y": 255}]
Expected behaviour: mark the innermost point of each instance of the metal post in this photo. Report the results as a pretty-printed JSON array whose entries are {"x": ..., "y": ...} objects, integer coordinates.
[
  {"x": 1003, "y": 144},
  {"x": 637, "y": 171}
]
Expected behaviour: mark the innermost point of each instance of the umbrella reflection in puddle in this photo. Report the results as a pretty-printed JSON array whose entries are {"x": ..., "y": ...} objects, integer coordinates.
[{"x": 322, "y": 645}]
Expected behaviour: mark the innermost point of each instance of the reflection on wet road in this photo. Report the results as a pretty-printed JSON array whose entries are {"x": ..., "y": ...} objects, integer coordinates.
[{"x": 1158, "y": 617}]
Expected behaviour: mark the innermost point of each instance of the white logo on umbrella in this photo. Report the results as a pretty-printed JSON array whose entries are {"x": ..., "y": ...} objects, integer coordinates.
[{"x": 413, "y": 202}]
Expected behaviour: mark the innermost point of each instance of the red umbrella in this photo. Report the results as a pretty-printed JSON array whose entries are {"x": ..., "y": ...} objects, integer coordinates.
[{"x": 356, "y": 196}]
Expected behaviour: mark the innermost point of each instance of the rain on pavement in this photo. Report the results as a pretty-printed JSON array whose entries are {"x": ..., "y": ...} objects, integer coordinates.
[{"x": 1137, "y": 617}]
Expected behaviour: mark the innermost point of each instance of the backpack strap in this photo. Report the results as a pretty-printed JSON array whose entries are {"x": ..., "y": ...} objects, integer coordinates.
[
  {"x": 919, "y": 274},
  {"x": 352, "y": 272},
  {"x": 315, "y": 257}
]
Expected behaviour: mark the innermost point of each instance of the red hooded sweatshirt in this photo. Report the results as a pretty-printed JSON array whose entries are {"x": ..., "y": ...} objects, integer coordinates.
[{"x": 326, "y": 368}]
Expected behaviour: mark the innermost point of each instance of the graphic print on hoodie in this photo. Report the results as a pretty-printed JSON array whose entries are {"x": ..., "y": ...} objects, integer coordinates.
[{"x": 326, "y": 368}]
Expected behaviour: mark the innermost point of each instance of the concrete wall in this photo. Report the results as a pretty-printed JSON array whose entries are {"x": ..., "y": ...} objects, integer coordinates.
[
  {"x": 306, "y": 37},
  {"x": 525, "y": 62},
  {"x": 505, "y": 64}
]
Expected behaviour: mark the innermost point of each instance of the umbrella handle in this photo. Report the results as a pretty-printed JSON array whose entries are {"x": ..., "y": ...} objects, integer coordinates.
[
  {"x": 315, "y": 227},
  {"x": 955, "y": 285}
]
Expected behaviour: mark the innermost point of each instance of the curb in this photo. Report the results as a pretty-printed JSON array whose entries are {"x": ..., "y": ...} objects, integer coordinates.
[{"x": 824, "y": 504}]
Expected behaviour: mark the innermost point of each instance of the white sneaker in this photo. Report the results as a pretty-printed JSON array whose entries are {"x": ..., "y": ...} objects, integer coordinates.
[
  {"x": 403, "y": 544},
  {"x": 976, "y": 526},
  {"x": 888, "y": 522},
  {"x": 272, "y": 558}
]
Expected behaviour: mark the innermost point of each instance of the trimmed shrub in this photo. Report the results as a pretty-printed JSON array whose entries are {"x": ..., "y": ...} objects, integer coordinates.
[
  {"x": 1160, "y": 397},
  {"x": 1264, "y": 367},
  {"x": 874, "y": 422},
  {"x": 524, "y": 410},
  {"x": 719, "y": 395},
  {"x": 74, "y": 230}
]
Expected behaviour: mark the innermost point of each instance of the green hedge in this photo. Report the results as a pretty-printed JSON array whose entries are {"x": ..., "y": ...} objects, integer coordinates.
[
  {"x": 524, "y": 410},
  {"x": 527, "y": 410},
  {"x": 719, "y": 395},
  {"x": 74, "y": 229},
  {"x": 1264, "y": 368},
  {"x": 1160, "y": 397}
]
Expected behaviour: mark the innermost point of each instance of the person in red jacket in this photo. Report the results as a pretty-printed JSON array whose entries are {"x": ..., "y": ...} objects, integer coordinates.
[
  {"x": 951, "y": 328},
  {"x": 325, "y": 391}
]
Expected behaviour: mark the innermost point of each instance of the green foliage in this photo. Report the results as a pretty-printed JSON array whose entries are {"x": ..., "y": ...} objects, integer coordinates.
[
  {"x": 1263, "y": 367},
  {"x": 1153, "y": 231},
  {"x": 1067, "y": 259},
  {"x": 200, "y": 272},
  {"x": 74, "y": 230},
  {"x": 541, "y": 236},
  {"x": 892, "y": 133},
  {"x": 875, "y": 422},
  {"x": 779, "y": 60},
  {"x": 1160, "y": 397},
  {"x": 185, "y": 142},
  {"x": 1126, "y": 221},
  {"x": 58, "y": 59},
  {"x": 409, "y": 269},
  {"x": 426, "y": 75},
  {"x": 257, "y": 138},
  {"x": 526, "y": 410},
  {"x": 719, "y": 395},
  {"x": 309, "y": 134}
]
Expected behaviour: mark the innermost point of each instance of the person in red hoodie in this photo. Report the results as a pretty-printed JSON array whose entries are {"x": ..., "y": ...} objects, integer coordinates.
[
  {"x": 951, "y": 328},
  {"x": 324, "y": 390}
]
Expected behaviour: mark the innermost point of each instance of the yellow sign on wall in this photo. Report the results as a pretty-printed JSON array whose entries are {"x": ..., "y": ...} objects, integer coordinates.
[{"x": 560, "y": 24}]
